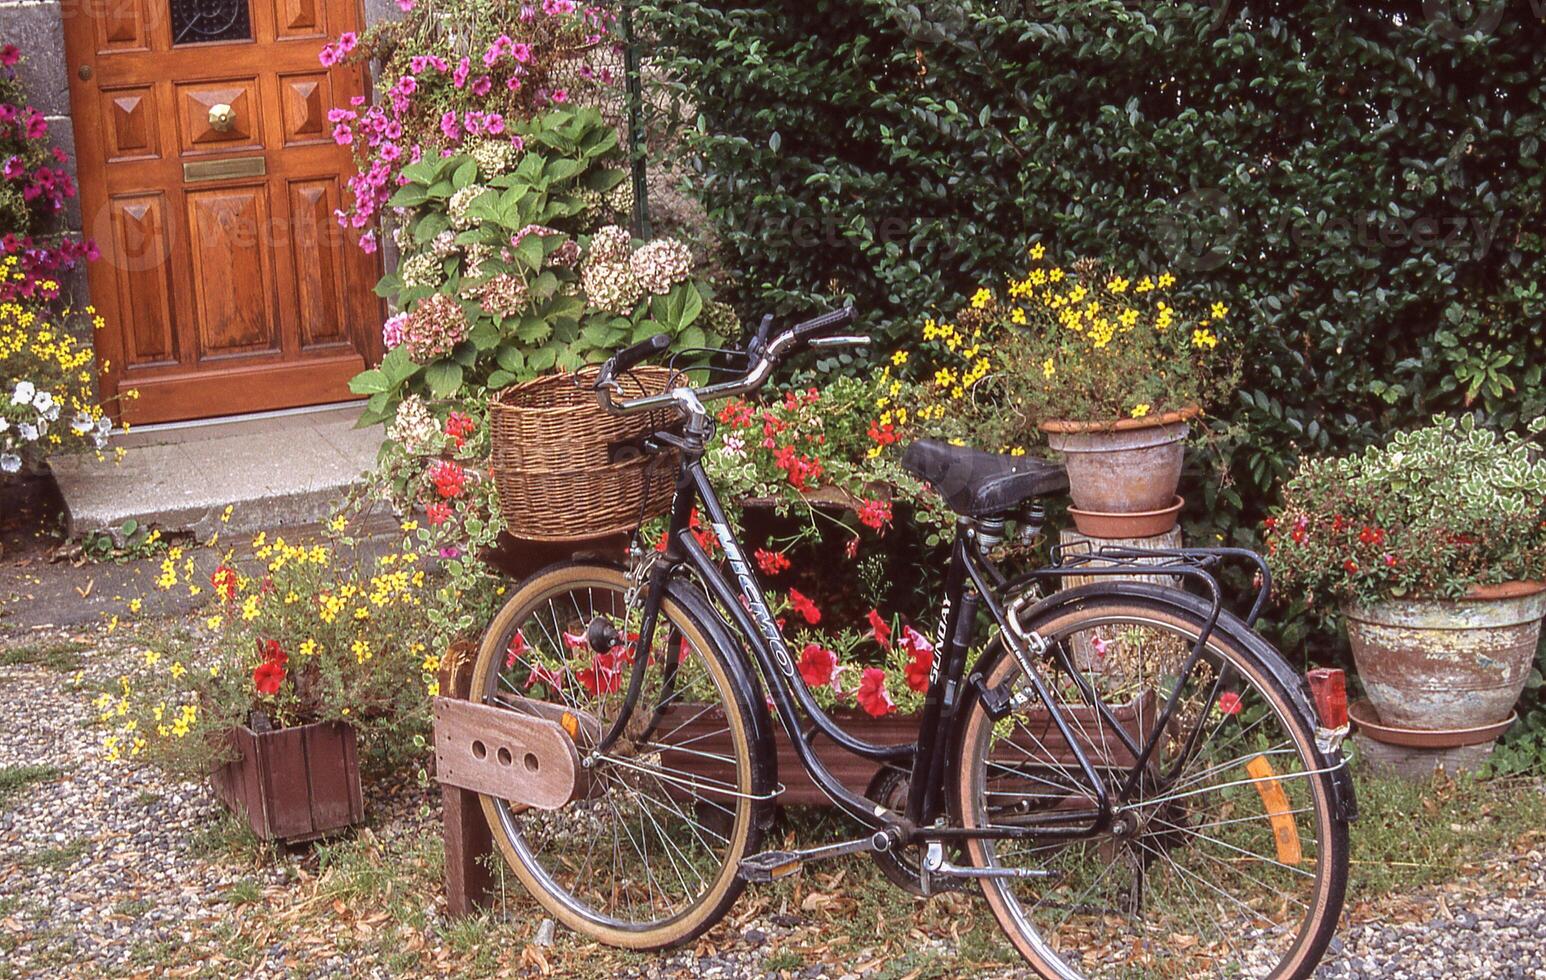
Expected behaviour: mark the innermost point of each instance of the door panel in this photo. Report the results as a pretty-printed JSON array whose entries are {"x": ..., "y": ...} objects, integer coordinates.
[
  {"x": 307, "y": 98},
  {"x": 145, "y": 285},
  {"x": 197, "y": 103},
  {"x": 318, "y": 244},
  {"x": 210, "y": 178},
  {"x": 231, "y": 271},
  {"x": 131, "y": 123}
]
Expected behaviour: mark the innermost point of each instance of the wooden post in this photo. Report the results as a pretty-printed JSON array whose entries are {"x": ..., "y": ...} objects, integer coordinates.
[
  {"x": 469, "y": 881},
  {"x": 469, "y": 845}
]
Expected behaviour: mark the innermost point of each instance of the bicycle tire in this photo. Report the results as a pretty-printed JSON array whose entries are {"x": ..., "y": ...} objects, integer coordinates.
[{"x": 1054, "y": 956}]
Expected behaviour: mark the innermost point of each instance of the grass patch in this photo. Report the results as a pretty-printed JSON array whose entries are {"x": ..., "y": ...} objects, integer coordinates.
[
  {"x": 55, "y": 858},
  {"x": 14, "y": 779},
  {"x": 60, "y": 655},
  {"x": 132, "y": 907},
  {"x": 1412, "y": 834},
  {"x": 229, "y": 836},
  {"x": 244, "y": 892}
]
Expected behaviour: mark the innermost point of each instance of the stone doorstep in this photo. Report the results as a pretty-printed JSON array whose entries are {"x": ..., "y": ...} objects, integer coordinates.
[{"x": 274, "y": 470}]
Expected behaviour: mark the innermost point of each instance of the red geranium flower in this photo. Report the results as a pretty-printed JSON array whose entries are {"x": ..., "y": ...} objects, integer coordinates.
[
  {"x": 875, "y": 514},
  {"x": 772, "y": 562},
  {"x": 1390, "y": 561},
  {"x": 267, "y": 677},
  {"x": 459, "y": 427},
  {"x": 1371, "y": 535},
  {"x": 274, "y": 653},
  {"x": 1229, "y": 703},
  {"x": 880, "y": 629},
  {"x": 438, "y": 512},
  {"x": 1350, "y": 567},
  {"x": 543, "y": 675},
  {"x": 450, "y": 479},
  {"x": 805, "y": 607},
  {"x": 516, "y": 651},
  {"x": 872, "y": 695},
  {"x": 817, "y": 665},
  {"x": 921, "y": 651},
  {"x": 605, "y": 674},
  {"x": 224, "y": 581}
]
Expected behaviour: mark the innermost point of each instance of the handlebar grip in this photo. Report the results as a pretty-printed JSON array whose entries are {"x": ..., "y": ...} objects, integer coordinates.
[
  {"x": 630, "y": 357},
  {"x": 826, "y": 323}
]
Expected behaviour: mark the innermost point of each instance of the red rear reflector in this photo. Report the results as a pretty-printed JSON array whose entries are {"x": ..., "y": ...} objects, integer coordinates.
[{"x": 1328, "y": 687}]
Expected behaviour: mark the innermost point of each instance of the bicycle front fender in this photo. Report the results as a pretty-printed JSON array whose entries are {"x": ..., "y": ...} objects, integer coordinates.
[{"x": 1266, "y": 658}]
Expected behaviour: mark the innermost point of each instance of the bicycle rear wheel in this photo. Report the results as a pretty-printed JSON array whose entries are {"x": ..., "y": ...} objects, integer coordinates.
[
  {"x": 1228, "y": 857},
  {"x": 646, "y": 856}
]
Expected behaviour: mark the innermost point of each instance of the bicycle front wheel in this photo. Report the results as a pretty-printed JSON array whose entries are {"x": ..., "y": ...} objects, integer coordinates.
[
  {"x": 646, "y": 856},
  {"x": 1226, "y": 857}
]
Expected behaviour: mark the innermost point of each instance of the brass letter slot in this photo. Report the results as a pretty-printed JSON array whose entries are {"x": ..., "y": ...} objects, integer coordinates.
[{"x": 225, "y": 169}]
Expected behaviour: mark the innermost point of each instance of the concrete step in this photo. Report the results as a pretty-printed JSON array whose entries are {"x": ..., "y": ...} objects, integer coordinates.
[{"x": 273, "y": 469}]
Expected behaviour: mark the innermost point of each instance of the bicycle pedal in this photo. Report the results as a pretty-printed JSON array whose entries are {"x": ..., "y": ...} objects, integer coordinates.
[{"x": 770, "y": 865}]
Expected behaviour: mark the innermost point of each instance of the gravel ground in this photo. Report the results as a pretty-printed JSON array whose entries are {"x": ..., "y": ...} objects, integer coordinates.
[{"x": 107, "y": 870}]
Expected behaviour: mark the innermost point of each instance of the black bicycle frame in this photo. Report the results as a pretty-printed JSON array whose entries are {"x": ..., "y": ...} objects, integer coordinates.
[{"x": 970, "y": 584}]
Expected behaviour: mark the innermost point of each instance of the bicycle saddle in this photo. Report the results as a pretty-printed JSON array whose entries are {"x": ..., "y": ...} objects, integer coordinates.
[{"x": 977, "y": 484}]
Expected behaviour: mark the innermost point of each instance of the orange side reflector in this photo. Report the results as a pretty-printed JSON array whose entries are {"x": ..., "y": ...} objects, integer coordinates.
[
  {"x": 570, "y": 724},
  {"x": 1284, "y": 831}
]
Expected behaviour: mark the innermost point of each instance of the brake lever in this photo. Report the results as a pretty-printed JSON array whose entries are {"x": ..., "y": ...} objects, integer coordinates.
[{"x": 849, "y": 340}]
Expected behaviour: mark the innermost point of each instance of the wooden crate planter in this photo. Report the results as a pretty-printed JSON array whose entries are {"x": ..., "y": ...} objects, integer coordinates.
[
  {"x": 856, "y": 773},
  {"x": 293, "y": 784}
]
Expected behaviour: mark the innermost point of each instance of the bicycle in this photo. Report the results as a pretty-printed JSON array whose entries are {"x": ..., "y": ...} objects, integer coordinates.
[{"x": 1136, "y": 780}]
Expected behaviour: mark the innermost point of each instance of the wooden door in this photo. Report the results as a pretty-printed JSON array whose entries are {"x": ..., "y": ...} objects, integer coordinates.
[{"x": 209, "y": 178}]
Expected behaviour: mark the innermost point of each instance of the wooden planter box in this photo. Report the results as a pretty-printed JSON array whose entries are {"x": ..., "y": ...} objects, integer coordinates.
[
  {"x": 293, "y": 784},
  {"x": 856, "y": 772}
]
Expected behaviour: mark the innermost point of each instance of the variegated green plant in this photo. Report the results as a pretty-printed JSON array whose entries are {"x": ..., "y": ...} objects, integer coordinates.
[{"x": 1433, "y": 512}]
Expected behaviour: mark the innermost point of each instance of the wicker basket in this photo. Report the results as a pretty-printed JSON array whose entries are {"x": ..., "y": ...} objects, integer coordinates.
[
  {"x": 554, "y": 423},
  {"x": 575, "y": 505},
  {"x": 567, "y": 469}
]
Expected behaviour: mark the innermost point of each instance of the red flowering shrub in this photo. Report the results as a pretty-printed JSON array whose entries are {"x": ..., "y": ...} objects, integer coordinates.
[
  {"x": 1434, "y": 512},
  {"x": 872, "y": 695}
]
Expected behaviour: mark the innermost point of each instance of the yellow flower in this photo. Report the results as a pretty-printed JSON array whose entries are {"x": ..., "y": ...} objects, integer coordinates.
[
  {"x": 1038, "y": 250},
  {"x": 337, "y": 524},
  {"x": 1219, "y": 311},
  {"x": 152, "y": 658},
  {"x": 899, "y": 358},
  {"x": 1117, "y": 285},
  {"x": 213, "y": 622},
  {"x": 134, "y": 605},
  {"x": 1018, "y": 316},
  {"x": 1017, "y": 451},
  {"x": 361, "y": 651},
  {"x": 214, "y": 670},
  {"x": 250, "y": 608},
  {"x": 177, "y": 670},
  {"x": 1047, "y": 368},
  {"x": 1203, "y": 337},
  {"x": 308, "y": 647},
  {"x": 1140, "y": 410},
  {"x": 1166, "y": 280},
  {"x": 225, "y": 515},
  {"x": 981, "y": 298}
]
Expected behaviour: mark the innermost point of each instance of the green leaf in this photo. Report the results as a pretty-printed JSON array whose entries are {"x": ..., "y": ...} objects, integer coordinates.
[
  {"x": 370, "y": 382},
  {"x": 444, "y": 378},
  {"x": 466, "y": 173}
]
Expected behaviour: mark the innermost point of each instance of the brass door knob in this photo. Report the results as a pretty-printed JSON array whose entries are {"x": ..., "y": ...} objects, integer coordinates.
[{"x": 221, "y": 117}]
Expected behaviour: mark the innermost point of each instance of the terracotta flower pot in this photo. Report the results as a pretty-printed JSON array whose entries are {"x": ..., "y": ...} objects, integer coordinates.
[
  {"x": 293, "y": 784},
  {"x": 1124, "y": 467},
  {"x": 1440, "y": 664}
]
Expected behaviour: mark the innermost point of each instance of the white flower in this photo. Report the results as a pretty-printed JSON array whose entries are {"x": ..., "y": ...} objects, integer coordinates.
[
  {"x": 29, "y": 433},
  {"x": 9, "y": 462},
  {"x": 82, "y": 424},
  {"x": 24, "y": 393},
  {"x": 5, "y": 423},
  {"x": 43, "y": 401},
  {"x": 734, "y": 446}
]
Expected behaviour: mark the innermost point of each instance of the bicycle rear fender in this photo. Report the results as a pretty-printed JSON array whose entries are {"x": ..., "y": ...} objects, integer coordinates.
[{"x": 1267, "y": 659}]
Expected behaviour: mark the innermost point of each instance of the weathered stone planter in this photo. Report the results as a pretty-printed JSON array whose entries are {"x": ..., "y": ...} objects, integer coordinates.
[
  {"x": 1132, "y": 466},
  {"x": 1439, "y": 664},
  {"x": 293, "y": 784}
]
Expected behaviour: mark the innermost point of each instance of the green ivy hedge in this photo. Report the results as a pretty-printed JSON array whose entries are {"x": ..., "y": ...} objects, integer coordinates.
[
  {"x": 1363, "y": 188},
  {"x": 1360, "y": 183}
]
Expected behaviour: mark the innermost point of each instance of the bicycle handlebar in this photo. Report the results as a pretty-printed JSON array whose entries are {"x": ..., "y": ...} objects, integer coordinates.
[{"x": 817, "y": 332}]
